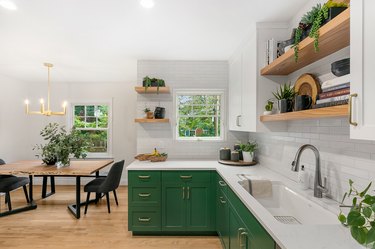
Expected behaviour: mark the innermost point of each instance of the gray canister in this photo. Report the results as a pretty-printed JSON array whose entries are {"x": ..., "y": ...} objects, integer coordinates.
[
  {"x": 235, "y": 156},
  {"x": 224, "y": 154}
]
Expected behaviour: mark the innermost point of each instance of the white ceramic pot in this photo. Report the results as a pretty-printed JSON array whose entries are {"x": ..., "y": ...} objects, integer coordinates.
[
  {"x": 267, "y": 113},
  {"x": 248, "y": 156}
]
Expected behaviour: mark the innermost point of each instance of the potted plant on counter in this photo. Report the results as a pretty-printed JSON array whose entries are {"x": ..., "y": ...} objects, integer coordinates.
[
  {"x": 149, "y": 113},
  {"x": 285, "y": 96},
  {"x": 248, "y": 150}
]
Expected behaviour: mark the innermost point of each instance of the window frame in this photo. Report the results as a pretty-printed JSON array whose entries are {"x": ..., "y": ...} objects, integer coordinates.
[
  {"x": 70, "y": 122},
  {"x": 221, "y": 92}
]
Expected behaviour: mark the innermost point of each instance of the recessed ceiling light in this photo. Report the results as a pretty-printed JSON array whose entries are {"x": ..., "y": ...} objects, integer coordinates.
[
  {"x": 7, "y": 4},
  {"x": 147, "y": 3}
]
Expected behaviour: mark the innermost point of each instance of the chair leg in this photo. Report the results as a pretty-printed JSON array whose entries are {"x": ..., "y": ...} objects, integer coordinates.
[
  {"x": 6, "y": 198},
  {"x": 87, "y": 201},
  {"x": 114, "y": 193},
  {"x": 26, "y": 195},
  {"x": 44, "y": 187},
  {"x": 108, "y": 205},
  {"x": 8, "y": 201}
]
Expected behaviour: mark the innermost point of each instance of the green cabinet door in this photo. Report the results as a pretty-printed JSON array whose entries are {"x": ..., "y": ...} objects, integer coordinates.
[
  {"x": 200, "y": 207},
  {"x": 173, "y": 206},
  {"x": 222, "y": 218},
  {"x": 236, "y": 227}
]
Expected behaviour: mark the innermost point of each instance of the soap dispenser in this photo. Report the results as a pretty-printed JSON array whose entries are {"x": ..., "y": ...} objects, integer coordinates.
[{"x": 303, "y": 178}]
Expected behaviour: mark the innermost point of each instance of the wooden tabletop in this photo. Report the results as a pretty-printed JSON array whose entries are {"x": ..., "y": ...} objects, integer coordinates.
[{"x": 35, "y": 167}]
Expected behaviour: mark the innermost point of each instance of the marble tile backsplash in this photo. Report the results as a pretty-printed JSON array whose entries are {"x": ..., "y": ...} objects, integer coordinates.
[{"x": 341, "y": 157}]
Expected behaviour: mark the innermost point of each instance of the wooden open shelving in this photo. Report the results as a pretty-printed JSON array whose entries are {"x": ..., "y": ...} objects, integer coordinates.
[
  {"x": 327, "y": 112},
  {"x": 334, "y": 35},
  {"x": 146, "y": 120},
  {"x": 142, "y": 90}
]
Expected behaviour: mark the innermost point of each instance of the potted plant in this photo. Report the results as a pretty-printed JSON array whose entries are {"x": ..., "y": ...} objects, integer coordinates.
[
  {"x": 61, "y": 145},
  {"x": 361, "y": 217},
  {"x": 154, "y": 82},
  {"x": 149, "y": 113},
  {"x": 285, "y": 96},
  {"x": 248, "y": 150},
  {"x": 268, "y": 108}
]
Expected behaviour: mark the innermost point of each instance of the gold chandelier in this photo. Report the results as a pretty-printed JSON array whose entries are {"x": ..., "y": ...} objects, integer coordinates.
[{"x": 43, "y": 111}]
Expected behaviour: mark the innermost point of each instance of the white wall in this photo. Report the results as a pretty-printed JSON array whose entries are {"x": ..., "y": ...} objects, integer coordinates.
[
  {"x": 19, "y": 132},
  {"x": 186, "y": 75}
]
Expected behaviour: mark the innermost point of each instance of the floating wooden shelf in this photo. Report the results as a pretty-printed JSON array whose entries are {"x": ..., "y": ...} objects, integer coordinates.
[
  {"x": 334, "y": 35},
  {"x": 146, "y": 120},
  {"x": 327, "y": 112},
  {"x": 142, "y": 90}
]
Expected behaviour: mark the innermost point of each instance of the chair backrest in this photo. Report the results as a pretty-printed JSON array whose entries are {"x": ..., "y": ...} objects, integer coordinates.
[
  {"x": 113, "y": 178},
  {"x": 2, "y": 161}
]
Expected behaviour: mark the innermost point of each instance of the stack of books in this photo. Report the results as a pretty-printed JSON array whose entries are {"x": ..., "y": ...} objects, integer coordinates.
[
  {"x": 271, "y": 51},
  {"x": 334, "y": 92}
]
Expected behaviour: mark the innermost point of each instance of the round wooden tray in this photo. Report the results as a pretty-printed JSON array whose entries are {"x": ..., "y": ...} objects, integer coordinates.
[
  {"x": 306, "y": 84},
  {"x": 239, "y": 163}
]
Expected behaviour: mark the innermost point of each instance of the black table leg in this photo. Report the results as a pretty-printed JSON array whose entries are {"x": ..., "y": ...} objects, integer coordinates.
[{"x": 76, "y": 208}]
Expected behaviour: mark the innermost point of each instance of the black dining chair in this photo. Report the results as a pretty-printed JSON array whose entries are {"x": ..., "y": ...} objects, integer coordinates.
[
  {"x": 104, "y": 185},
  {"x": 9, "y": 183}
]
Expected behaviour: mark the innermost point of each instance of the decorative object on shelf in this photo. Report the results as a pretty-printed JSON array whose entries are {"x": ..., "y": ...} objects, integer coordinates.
[
  {"x": 284, "y": 46},
  {"x": 235, "y": 156},
  {"x": 43, "y": 111},
  {"x": 159, "y": 112},
  {"x": 148, "y": 82},
  {"x": 361, "y": 217},
  {"x": 302, "y": 102},
  {"x": 237, "y": 147},
  {"x": 268, "y": 108},
  {"x": 285, "y": 97},
  {"x": 248, "y": 150},
  {"x": 239, "y": 163},
  {"x": 341, "y": 67},
  {"x": 60, "y": 145},
  {"x": 313, "y": 20},
  {"x": 224, "y": 154},
  {"x": 149, "y": 113},
  {"x": 306, "y": 84},
  {"x": 335, "y": 92},
  {"x": 155, "y": 156}
]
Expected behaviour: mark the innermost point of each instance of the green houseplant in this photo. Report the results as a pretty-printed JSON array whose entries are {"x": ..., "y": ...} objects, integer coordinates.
[
  {"x": 248, "y": 150},
  {"x": 60, "y": 145},
  {"x": 149, "y": 113},
  {"x": 285, "y": 95},
  {"x": 268, "y": 108},
  {"x": 361, "y": 217},
  {"x": 154, "y": 82}
]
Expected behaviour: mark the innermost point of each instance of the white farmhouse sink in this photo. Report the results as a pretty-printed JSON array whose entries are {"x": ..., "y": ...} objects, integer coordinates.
[{"x": 289, "y": 207}]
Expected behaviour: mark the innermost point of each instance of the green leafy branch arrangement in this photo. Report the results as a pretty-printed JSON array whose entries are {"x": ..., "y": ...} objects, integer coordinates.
[{"x": 361, "y": 218}]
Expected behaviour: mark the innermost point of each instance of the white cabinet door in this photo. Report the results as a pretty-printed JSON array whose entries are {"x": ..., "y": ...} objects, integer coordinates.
[
  {"x": 249, "y": 86},
  {"x": 235, "y": 83},
  {"x": 362, "y": 56}
]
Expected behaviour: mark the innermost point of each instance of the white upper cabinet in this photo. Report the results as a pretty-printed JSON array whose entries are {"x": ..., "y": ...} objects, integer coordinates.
[
  {"x": 362, "y": 56},
  {"x": 242, "y": 88}
]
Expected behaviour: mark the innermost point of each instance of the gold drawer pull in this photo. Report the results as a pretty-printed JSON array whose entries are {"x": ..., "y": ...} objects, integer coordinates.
[
  {"x": 222, "y": 183},
  {"x": 144, "y": 219},
  {"x": 351, "y": 96},
  {"x": 186, "y": 177},
  {"x": 144, "y": 194},
  {"x": 222, "y": 201},
  {"x": 144, "y": 177}
]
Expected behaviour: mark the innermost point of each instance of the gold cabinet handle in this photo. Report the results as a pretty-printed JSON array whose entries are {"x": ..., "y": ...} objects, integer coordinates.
[
  {"x": 144, "y": 194},
  {"x": 222, "y": 183},
  {"x": 186, "y": 177},
  {"x": 244, "y": 245},
  {"x": 144, "y": 177},
  {"x": 222, "y": 201},
  {"x": 183, "y": 193},
  {"x": 239, "y": 232},
  {"x": 351, "y": 96},
  {"x": 144, "y": 219},
  {"x": 188, "y": 193}
]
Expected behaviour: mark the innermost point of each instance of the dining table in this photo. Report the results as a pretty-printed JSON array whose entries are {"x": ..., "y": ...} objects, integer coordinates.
[{"x": 76, "y": 169}]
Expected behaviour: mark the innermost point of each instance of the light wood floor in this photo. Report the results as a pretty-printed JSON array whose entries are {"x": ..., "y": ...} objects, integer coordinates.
[{"x": 52, "y": 226}]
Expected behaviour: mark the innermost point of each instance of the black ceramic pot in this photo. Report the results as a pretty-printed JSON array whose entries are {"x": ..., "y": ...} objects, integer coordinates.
[{"x": 285, "y": 105}]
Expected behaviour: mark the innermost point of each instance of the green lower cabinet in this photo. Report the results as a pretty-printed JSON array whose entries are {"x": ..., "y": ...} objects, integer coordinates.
[
  {"x": 173, "y": 207},
  {"x": 144, "y": 219},
  {"x": 222, "y": 218}
]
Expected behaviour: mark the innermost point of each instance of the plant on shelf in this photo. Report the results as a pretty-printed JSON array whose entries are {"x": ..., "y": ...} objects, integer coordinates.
[
  {"x": 311, "y": 23},
  {"x": 361, "y": 217},
  {"x": 154, "y": 82},
  {"x": 268, "y": 107},
  {"x": 60, "y": 145},
  {"x": 285, "y": 96},
  {"x": 149, "y": 113},
  {"x": 248, "y": 150}
]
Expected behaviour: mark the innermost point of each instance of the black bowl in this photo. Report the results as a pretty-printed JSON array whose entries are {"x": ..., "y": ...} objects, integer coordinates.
[{"x": 341, "y": 67}]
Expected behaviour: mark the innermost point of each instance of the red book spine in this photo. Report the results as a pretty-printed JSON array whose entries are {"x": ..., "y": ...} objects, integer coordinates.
[{"x": 334, "y": 93}]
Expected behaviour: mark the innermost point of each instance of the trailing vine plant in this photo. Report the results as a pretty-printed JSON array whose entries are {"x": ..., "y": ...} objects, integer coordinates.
[{"x": 314, "y": 32}]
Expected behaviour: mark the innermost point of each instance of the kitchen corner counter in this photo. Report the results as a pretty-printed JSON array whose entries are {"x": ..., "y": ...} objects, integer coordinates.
[{"x": 286, "y": 236}]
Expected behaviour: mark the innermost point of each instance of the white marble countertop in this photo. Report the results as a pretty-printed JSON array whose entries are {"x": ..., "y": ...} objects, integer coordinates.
[{"x": 286, "y": 236}]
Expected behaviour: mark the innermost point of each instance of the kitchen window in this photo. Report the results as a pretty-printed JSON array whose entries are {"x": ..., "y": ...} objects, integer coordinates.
[
  {"x": 94, "y": 122},
  {"x": 199, "y": 115}
]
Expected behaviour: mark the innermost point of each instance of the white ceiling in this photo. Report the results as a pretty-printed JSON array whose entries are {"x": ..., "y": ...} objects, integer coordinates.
[{"x": 100, "y": 40}]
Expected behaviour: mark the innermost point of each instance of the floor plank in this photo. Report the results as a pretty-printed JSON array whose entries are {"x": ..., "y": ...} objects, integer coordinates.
[{"x": 51, "y": 225}]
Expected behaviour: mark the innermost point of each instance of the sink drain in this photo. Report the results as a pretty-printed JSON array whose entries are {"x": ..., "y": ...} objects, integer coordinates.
[{"x": 290, "y": 220}]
